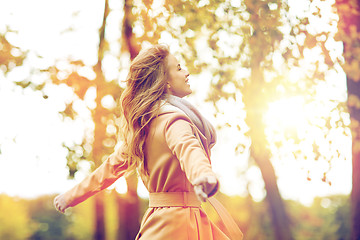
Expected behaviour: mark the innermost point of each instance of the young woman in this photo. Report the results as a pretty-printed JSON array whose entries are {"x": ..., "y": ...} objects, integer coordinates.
[{"x": 168, "y": 141}]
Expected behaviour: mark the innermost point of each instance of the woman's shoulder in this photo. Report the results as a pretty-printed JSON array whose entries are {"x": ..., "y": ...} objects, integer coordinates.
[
  {"x": 168, "y": 111},
  {"x": 168, "y": 114}
]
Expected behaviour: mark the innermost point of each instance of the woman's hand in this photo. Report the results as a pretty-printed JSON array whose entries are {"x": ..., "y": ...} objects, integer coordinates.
[
  {"x": 205, "y": 187},
  {"x": 60, "y": 203}
]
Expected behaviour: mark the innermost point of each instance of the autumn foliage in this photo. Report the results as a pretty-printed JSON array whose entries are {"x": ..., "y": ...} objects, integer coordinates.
[{"x": 251, "y": 56}]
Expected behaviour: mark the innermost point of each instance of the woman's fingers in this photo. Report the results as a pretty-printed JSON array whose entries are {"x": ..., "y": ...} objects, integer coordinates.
[
  {"x": 59, "y": 204},
  {"x": 212, "y": 180},
  {"x": 56, "y": 204},
  {"x": 200, "y": 194},
  {"x": 203, "y": 186}
]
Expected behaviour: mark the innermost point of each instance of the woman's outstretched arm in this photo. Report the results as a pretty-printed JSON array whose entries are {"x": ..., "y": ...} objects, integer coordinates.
[
  {"x": 106, "y": 174},
  {"x": 181, "y": 139}
]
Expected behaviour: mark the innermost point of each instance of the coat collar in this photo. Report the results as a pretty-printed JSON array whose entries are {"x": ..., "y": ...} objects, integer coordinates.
[{"x": 167, "y": 108}]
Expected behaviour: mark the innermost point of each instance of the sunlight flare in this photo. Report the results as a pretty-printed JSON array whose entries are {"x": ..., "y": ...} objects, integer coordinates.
[{"x": 287, "y": 113}]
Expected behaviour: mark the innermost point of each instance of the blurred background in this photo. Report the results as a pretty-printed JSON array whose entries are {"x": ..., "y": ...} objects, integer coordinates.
[{"x": 279, "y": 79}]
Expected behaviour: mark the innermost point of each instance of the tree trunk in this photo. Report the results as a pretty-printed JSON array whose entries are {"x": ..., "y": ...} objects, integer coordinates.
[
  {"x": 98, "y": 150},
  {"x": 255, "y": 103},
  {"x": 279, "y": 218},
  {"x": 128, "y": 211},
  {"x": 132, "y": 211},
  {"x": 354, "y": 91},
  {"x": 349, "y": 32},
  {"x": 100, "y": 232},
  {"x": 129, "y": 205},
  {"x": 128, "y": 35}
]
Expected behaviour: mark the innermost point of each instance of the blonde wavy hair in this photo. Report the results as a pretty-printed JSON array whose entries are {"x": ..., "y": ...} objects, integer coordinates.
[{"x": 145, "y": 87}]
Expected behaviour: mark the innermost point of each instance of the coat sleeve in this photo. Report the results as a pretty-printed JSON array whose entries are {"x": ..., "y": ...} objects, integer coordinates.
[
  {"x": 106, "y": 174},
  {"x": 181, "y": 139}
]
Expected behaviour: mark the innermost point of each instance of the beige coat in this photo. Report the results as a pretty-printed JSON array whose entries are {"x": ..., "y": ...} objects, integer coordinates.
[{"x": 175, "y": 155}]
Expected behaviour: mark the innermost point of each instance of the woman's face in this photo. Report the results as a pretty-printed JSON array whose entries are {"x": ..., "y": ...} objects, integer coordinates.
[{"x": 178, "y": 82}]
